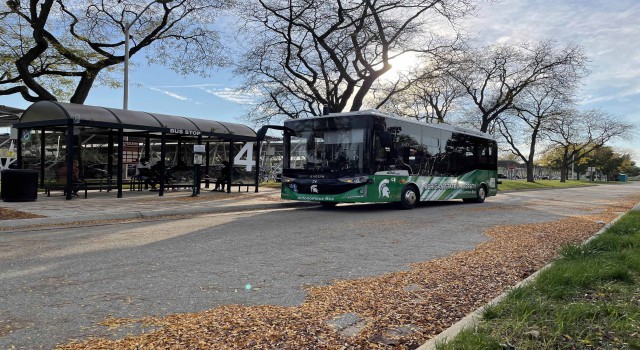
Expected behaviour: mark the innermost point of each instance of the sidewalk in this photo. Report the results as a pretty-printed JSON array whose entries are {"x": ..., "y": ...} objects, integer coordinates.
[{"x": 141, "y": 204}]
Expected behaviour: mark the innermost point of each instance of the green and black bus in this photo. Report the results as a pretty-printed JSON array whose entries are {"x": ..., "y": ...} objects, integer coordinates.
[{"x": 368, "y": 156}]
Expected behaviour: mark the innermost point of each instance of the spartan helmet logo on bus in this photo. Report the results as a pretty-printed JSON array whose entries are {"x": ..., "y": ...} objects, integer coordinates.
[
  {"x": 383, "y": 189},
  {"x": 314, "y": 188}
]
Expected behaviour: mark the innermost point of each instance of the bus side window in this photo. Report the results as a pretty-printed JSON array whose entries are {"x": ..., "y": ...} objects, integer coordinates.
[
  {"x": 382, "y": 154},
  {"x": 377, "y": 145},
  {"x": 483, "y": 161}
]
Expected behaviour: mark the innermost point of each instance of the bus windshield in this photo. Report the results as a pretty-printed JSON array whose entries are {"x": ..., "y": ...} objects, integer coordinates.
[{"x": 322, "y": 150}]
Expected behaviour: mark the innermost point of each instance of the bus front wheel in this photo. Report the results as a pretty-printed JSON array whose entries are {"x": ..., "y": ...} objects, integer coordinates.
[
  {"x": 409, "y": 197},
  {"x": 481, "y": 194}
]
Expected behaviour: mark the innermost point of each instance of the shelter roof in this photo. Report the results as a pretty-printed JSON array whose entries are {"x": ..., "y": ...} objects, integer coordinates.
[{"x": 58, "y": 114}]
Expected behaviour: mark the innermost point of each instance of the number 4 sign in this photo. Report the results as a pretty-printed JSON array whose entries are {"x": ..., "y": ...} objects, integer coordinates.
[{"x": 245, "y": 156}]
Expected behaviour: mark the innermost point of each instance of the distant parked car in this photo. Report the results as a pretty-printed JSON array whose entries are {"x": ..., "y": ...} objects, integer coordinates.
[
  {"x": 95, "y": 171},
  {"x": 502, "y": 176}
]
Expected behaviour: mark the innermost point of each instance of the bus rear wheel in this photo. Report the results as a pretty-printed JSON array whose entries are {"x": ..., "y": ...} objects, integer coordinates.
[
  {"x": 409, "y": 197},
  {"x": 481, "y": 195}
]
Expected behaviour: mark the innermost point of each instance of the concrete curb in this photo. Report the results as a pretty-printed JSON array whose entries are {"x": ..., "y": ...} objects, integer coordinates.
[
  {"x": 472, "y": 319},
  {"x": 21, "y": 223}
]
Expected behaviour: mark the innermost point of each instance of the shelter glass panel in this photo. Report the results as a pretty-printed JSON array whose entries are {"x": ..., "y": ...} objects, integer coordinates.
[{"x": 243, "y": 171}]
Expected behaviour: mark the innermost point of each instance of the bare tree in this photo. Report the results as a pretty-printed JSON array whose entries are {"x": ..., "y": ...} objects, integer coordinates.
[
  {"x": 310, "y": 54},
  {"x": 578, "y": 134},
  {"x": 57, "y": 49},
  {"x": 494, "y": 77},
  {"x": 427, "y": 94},
  {"x": 522, "y": 125}
]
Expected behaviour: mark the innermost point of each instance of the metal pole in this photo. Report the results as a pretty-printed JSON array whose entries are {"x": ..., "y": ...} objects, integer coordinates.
[
  {"x": 125, "y": 101},
  {"x": 110, "y": 158},
  {"x": 231, "y": 155},
  {"x": 257, "y": 173},
  {"x": 121, "y": 167},
  {"x": 198, "y": 167},
  {"x": 208, "y": 163},
  {"x": 43, "y": 155},
  {"x": 69, "y": 160},
  {"x": 147, "y": 146},
  {"x": 19, "y": 149},
  {"x": 194, "y": 192},
  {"x": 163, "y": 166},
  {"x": 179, "y": 151}
]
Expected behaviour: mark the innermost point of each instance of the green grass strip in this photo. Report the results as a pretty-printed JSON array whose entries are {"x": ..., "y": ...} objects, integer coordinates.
[
  {"x": 514, "y": 185},
  {"x": 588, "y": 299}
]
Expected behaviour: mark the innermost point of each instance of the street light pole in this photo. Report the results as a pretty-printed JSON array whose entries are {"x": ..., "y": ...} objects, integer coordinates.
[
  {"x": 125, "y": 101},
  {"x": 127, "y": 28}
]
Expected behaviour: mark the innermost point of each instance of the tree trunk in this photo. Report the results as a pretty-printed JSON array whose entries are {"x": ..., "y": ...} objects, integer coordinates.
[
  {"x": 532, "y": 151},
  {"x": 485, "y": 123},
  {"x": 84, "y": 86},
  {"x": 565, "y": 165},
  {"x": 364, "y": 90},
  {"x": 529, "y": 171}
]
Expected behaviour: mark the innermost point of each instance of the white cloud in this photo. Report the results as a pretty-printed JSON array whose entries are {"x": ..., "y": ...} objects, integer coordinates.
[
  {"x": 190, "y": 85},
  {"x": 233, "y": 95},
  {"x": 226, "y": 93},
  {"x": 171, "y": 94}
]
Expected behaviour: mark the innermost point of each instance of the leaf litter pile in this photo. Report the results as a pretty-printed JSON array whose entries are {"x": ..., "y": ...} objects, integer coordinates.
[
  {"x": 10, "y": 214},
  {"x": 398, "y": 310}
]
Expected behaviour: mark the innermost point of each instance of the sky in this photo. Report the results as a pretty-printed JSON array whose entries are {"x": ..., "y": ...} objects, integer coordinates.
[{"x": 607, "y": 30}]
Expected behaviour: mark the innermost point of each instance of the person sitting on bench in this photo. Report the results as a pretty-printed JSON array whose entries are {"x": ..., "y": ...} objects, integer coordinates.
[
  {"x": 144, "y": 173},
  {"x": 62, "y": 177},
  {"x": 223, "y": 178}
]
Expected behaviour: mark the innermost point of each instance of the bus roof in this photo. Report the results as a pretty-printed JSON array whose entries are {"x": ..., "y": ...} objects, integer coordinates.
[{"x": 377, "y": 113}]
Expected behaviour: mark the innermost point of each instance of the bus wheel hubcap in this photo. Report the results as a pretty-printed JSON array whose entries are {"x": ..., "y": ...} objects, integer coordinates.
[
  {"x": 410, "y": 197},
  {"x": 481, "y": 193}
]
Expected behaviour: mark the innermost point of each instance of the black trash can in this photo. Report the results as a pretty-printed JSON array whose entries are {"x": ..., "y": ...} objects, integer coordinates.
[{"x": 19, "y": 185}]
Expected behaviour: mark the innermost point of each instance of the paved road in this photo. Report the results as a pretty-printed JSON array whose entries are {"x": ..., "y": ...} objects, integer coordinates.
[{"x": 57, "y": 284}]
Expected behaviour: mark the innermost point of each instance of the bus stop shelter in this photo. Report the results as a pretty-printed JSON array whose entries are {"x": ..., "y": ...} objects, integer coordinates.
[{"x": 117, "y": 125}]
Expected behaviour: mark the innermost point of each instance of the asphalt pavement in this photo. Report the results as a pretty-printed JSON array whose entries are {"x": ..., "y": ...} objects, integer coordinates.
[
  {"x": 102, "y": 205},
  {"x": 141, "y": 204}
]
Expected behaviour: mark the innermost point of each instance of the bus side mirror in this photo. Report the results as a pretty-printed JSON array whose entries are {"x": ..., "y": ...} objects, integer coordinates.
[{"x": 385, "y": 139}]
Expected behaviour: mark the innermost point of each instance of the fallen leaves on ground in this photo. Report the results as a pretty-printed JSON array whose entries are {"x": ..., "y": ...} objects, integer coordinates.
[
  {"x": 216, "y": 196},
  {"x": 10, "y": 214},
  {"x": 400, "y": 310}
]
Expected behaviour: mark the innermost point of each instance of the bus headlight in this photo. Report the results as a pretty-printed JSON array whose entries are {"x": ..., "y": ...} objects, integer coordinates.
[
  {"x": 355, "y": 180},
  {"x": 287, "y": 179}
]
